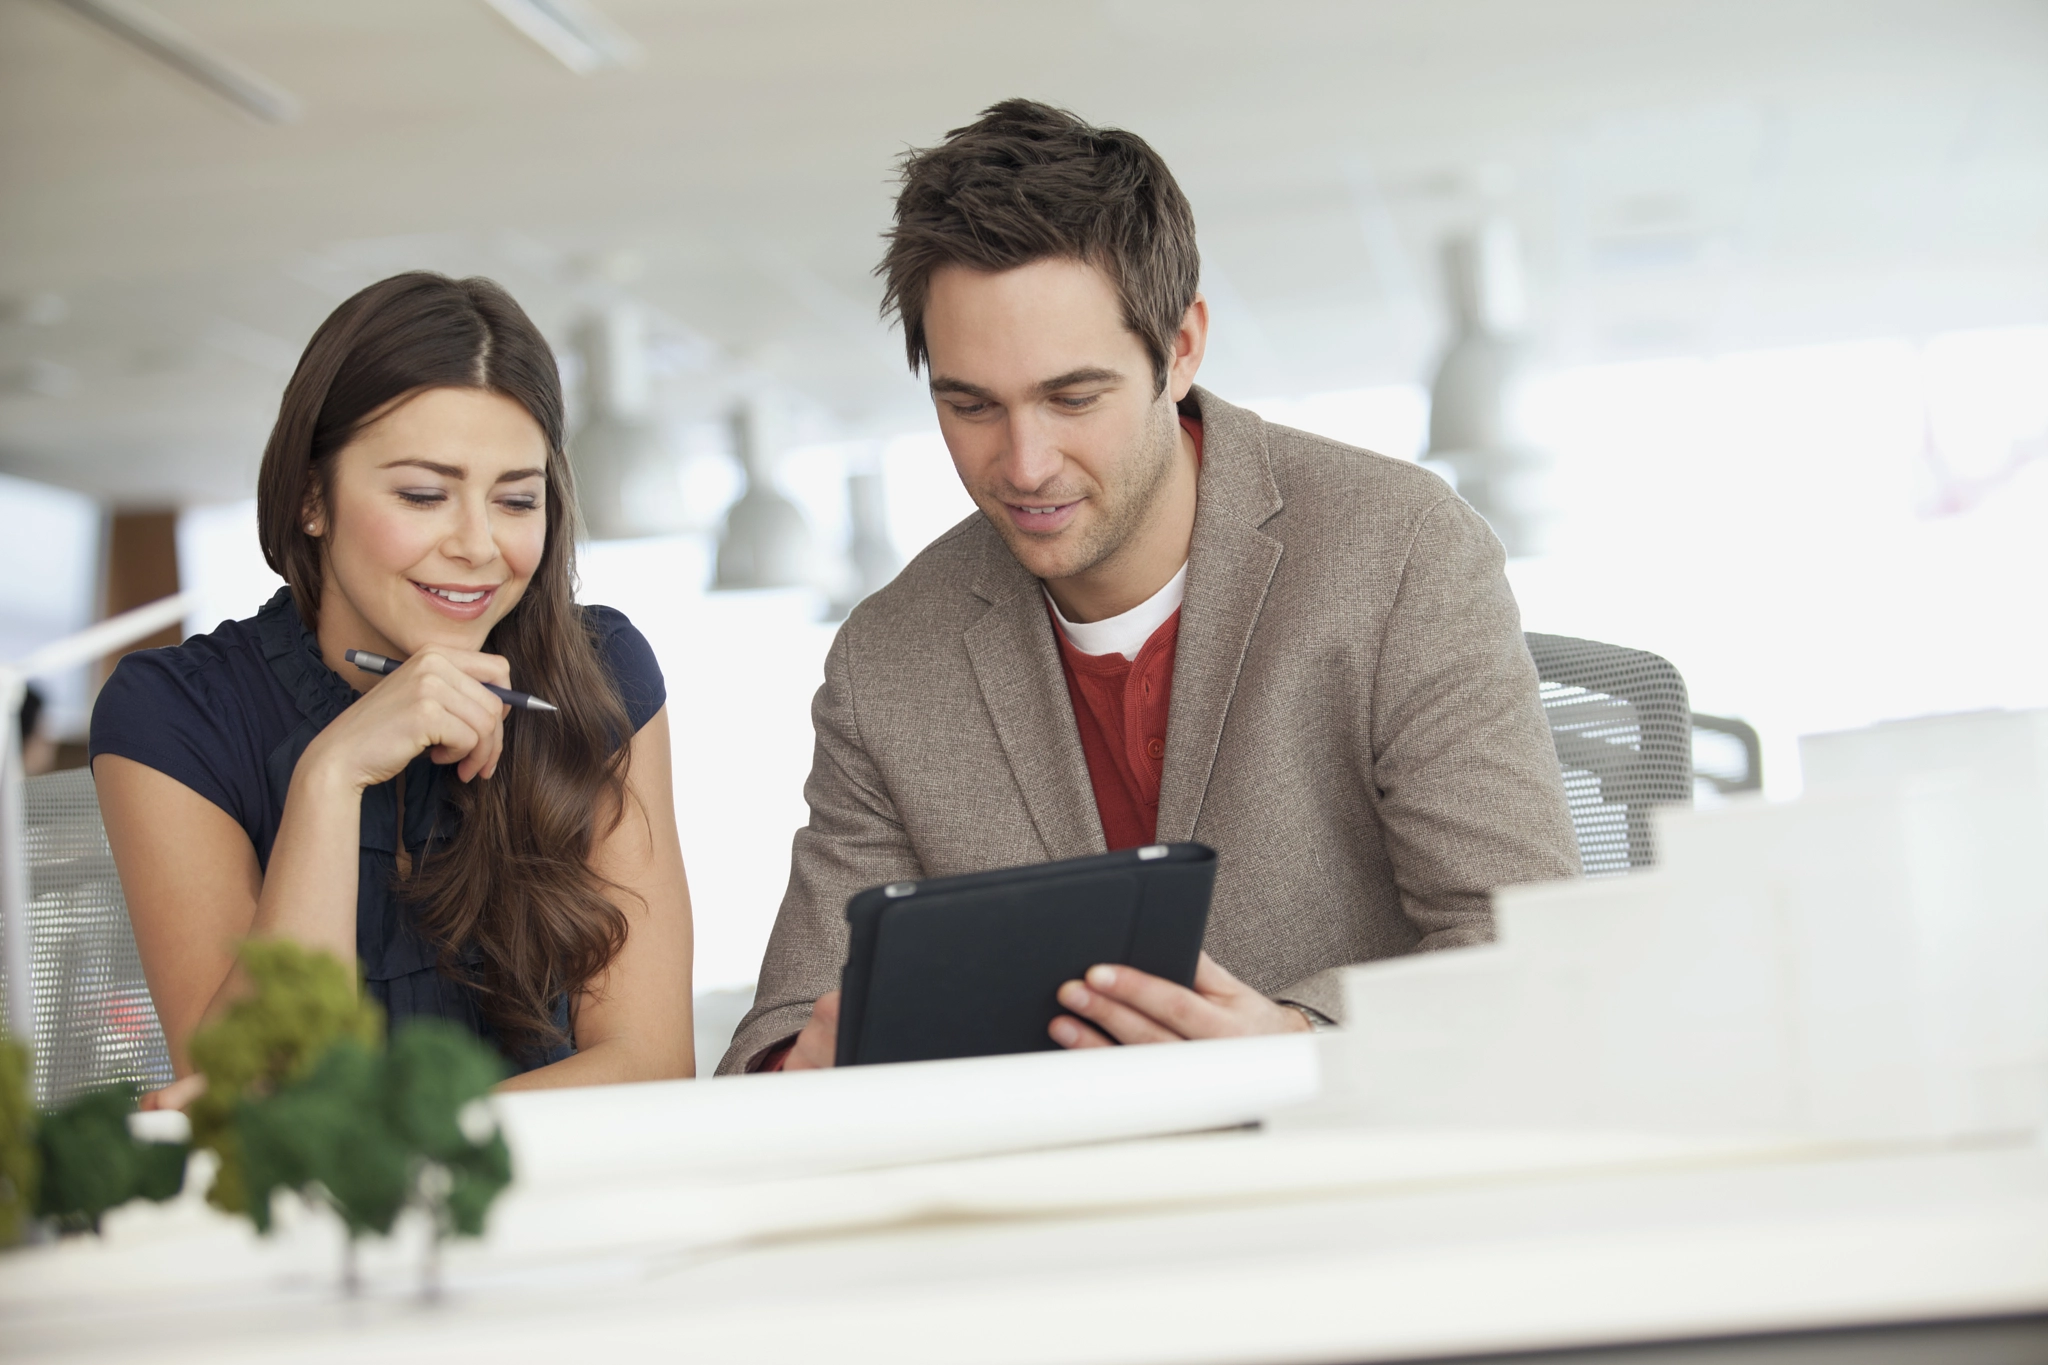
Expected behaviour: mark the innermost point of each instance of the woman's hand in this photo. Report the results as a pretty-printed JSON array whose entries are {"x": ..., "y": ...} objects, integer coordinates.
[
  {"x": 435, "y": 703},
  {"x": 176, "y": 1095}
]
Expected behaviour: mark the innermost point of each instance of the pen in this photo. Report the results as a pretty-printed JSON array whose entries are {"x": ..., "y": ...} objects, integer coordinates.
[{"x": 378, "y": 664}]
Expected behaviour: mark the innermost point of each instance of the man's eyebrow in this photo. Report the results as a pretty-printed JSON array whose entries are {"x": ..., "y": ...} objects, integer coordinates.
[
  {"x": 1088, "y": 374},
  {"x": 942, "y": 383}
]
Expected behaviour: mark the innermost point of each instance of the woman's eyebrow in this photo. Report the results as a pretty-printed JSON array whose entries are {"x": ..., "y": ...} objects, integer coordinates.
[
  {"x": 446, "y": 471},
  {"x": 456, "y": 471}
]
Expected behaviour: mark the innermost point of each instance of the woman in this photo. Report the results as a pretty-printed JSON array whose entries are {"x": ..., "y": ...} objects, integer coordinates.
[{"x": 517, "y": 872}]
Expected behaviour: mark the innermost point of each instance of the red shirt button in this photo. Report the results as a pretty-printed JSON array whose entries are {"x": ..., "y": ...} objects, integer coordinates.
[{"x": 1156, "y": 748}]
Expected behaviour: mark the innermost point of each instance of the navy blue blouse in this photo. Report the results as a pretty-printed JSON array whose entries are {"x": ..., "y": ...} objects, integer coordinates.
[{"x": 228, "y": 714}]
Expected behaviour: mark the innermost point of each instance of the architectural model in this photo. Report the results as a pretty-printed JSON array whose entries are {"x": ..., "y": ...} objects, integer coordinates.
[{"x": 1869, "y": 961}]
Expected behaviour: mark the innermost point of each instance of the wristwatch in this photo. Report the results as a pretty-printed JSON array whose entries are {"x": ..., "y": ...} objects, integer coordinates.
[{"x": 1318, "y": 1022}]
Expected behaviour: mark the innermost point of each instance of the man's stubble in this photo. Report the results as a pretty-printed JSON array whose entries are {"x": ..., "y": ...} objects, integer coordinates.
[{"x": 1124, "y": 505}]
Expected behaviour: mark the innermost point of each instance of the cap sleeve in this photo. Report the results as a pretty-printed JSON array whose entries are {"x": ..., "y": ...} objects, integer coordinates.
[
  {"x": 630, "y": 660},
  {"x": 160, "y": 711}
]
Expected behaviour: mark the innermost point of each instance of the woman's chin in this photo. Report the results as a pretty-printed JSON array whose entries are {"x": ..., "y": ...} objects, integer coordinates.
[
  {"x": 471, "y": 640},
  {"x": 428, "y": 626},
  {"x": 422, "y": 630}
]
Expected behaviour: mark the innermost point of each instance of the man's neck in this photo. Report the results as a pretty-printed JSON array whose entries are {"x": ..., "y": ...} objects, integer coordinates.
[{"x": 1147, "y": 561}]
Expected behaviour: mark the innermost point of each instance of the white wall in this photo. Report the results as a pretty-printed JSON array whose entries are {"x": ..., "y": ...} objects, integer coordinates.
[
  {"x": 1818, "y": 538},
  {"x": 221, "y": 565},
  {"x": 49, "y": 584}
]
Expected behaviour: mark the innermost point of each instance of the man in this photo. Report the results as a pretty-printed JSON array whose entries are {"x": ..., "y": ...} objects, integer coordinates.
[{"x": 1169, "y": 621}]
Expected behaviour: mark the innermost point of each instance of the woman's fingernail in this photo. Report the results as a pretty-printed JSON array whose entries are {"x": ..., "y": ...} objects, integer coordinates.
[
  {"x": 1074, "y": 995},
  {"x": 1102, "y": 978},
  {"x": 1062, "y": 1031}
]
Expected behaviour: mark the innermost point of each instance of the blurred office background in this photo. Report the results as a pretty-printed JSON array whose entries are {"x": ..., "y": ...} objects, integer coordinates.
[{"x": 1732, "y": 316}]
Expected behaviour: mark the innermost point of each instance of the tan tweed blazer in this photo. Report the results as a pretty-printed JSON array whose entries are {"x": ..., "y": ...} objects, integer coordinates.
[{"x": 1354, "y": 728}]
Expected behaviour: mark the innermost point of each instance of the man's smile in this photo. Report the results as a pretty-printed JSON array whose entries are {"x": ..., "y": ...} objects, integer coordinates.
[{"x": 1039, "y": 517}]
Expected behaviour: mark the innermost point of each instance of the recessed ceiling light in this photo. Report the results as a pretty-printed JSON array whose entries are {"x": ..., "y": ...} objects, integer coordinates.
[
  {"x": 143, "y": 27},
  {"x": 572, "y": 32},
  {"x": 39, "y": 309},
  {"x": 39, "y": 378}
]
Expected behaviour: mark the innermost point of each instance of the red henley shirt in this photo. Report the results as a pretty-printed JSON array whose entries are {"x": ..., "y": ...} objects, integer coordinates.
[{"x": 1120, "y": 707}]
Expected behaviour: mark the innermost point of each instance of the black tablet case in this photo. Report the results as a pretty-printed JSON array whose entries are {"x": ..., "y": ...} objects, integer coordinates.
[{"x": 969, "y": 966}]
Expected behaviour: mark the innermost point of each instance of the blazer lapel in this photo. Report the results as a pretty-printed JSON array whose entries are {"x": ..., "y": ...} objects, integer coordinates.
[
  {"x": 1017, "y": 665},
  {"x": 1230, "y": 567}
]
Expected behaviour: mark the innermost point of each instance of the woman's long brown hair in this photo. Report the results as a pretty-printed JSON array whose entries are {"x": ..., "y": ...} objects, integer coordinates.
[{"x": 515, "y": 881}]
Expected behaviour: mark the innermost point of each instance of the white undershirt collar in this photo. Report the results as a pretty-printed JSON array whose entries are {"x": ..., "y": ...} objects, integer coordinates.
[{"x": 1126, "y": 632}]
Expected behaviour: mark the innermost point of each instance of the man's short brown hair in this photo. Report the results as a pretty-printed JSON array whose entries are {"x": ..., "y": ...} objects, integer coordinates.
[{"x": 1027, "y": 182}]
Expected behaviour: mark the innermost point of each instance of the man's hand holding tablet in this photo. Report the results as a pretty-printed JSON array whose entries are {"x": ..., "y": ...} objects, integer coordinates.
[
  {"x": 1122, "y": 1004},
  {"x": 814, "y": 1047},
  {"x": 986, "y": 963},
  {"x": 1129, "y": 1006}
]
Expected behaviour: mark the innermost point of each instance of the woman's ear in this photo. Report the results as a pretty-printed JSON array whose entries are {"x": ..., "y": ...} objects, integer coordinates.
[{"x": 313, "y": 519}]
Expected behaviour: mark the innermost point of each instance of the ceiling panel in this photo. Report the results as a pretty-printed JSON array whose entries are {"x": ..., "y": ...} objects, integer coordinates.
[{"x": 1684, "y": 177}]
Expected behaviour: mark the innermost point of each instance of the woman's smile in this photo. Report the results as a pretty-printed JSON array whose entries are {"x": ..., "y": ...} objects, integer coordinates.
[{"x": 458, "y": 601}]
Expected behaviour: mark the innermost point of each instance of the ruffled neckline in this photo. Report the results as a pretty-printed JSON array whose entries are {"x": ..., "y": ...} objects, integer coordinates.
[{"x": 293, "y": 653}]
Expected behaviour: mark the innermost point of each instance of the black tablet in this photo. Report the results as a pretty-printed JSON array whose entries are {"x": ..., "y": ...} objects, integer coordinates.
[{"x": 969, "y": 966}]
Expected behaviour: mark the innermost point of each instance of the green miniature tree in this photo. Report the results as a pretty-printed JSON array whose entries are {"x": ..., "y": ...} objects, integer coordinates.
[
  {"x": 304, "y": 1001},
  {"x": 436, "y": 1075},
  {"x": 18, "y": 1163},
  {"x": 370, "y": 1134},
  {"x": 323, "y": 1136},
  {"x": 91, "y": 1162}
]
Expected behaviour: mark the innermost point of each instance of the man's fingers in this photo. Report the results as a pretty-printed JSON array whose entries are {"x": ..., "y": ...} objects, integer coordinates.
[
  {"x": 818, "y": 1045},
  {"x": 1114, "y": 1017},
  {"x": 1177, "y": 1007},
  {"x": 1211, "y": 979},
  {"x": 1070, "y": 1032}
]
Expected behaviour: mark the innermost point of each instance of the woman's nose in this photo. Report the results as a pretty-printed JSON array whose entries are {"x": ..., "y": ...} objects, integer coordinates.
[{"x": 470, "y": 540}]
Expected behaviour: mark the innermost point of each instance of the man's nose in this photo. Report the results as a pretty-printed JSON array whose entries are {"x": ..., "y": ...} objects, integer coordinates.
[{"x": 1033, "y": 458}]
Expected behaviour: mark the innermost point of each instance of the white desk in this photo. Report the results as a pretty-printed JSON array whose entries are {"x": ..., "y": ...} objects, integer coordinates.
[{"x": 1324, "y": 1247}]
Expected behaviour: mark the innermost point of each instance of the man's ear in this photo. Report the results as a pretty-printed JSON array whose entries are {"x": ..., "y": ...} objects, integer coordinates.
[{"x": 1190, "y": 343}]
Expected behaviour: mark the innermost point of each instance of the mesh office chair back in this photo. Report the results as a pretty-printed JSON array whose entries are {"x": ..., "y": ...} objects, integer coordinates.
[
  {"x": 1623, "y": 732},
  {"x": 95, "y": 1023}
]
